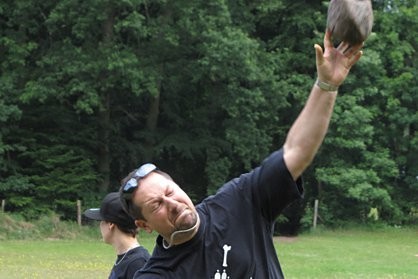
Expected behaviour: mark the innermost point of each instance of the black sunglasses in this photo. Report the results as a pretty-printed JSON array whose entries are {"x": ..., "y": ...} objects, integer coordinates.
[{"x": 132, "y": 183}]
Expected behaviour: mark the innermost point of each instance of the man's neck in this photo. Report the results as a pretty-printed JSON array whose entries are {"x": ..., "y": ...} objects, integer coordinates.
[{"x": 125, "y": 243}]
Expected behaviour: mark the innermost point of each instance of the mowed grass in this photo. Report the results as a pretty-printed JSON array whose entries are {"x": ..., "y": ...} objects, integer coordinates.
[
  {"x": 60, "y": 259},
  {"x": 388, "y": 253}
]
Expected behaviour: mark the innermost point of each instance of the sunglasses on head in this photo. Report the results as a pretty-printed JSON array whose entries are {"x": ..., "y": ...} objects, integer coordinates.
[{"x": 132, "y": 183}]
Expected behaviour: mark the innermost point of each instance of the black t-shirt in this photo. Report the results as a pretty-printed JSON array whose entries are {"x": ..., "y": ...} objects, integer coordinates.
[
  {"x": 234, "y": 239},
  {"x": 128, "y": 263}
]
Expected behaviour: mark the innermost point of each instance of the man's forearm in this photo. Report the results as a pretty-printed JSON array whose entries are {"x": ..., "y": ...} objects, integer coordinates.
[{"x": 308, "y": 131}]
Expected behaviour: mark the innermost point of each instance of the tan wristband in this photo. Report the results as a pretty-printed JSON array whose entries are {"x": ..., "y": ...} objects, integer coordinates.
[{"x": 326, "y": 86}]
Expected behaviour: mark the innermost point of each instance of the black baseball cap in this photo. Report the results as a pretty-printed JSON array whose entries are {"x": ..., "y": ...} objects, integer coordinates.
[{"x": 111, "y": 211}]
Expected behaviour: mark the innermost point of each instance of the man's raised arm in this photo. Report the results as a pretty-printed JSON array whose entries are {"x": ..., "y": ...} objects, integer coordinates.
[{"x": 309, "y": 129}]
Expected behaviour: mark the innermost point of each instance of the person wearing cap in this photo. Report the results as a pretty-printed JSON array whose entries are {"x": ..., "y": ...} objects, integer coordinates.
[
  {"x": 229, "y": 234},
  {"x": 119, "y": 230}
]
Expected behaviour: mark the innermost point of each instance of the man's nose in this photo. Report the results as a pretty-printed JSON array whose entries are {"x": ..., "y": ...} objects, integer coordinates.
[
  {"x": 172, "y": 205},
  {"x": 170, "y": 202}
]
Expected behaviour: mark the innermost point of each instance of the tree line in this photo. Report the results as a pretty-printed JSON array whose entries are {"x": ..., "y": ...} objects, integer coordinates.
[{"x": 89, "y": 90}]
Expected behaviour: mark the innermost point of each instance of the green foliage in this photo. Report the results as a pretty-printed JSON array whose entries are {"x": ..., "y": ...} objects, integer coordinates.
[
  {"x": 362, "y": 164},
  {"x": 205, "y": 89}
]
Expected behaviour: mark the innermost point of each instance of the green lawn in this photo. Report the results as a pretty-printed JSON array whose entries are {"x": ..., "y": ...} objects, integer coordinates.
[
  {"x": 60, "y": 259},
  {"x": 324, "y": 254},
  {"x": 351, "y": 254}
]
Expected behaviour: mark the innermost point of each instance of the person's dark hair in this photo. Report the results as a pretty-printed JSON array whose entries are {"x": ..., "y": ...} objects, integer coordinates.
[
  {"x": 132, "y": 232},
  {"x": 132, "y": 209}
]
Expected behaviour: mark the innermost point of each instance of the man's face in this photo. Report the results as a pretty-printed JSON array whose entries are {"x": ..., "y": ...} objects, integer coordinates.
[{"x": 165, "y": 206}]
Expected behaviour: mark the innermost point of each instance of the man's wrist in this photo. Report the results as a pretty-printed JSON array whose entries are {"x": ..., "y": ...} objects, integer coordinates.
[{"x": 326, "y": 86}]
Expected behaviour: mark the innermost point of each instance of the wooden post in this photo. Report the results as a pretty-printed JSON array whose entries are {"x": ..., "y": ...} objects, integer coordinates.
[
  {"x": 79, "y": 212},
  {"x": 315, "y": 217},
  {"x": 3, "y": 205}
]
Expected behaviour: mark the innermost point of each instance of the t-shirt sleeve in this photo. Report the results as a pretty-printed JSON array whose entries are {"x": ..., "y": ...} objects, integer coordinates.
[
  {"x": 273, "y": 186},
  {"x": 269, "y": 187}
]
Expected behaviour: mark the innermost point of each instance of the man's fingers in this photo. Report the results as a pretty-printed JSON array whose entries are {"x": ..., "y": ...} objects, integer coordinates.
[
  {"x": 327, "y": 39},
  {"x": 343, "y": 47},
  {"x": 319, "y": 54},
  {"x": 353, "y": 60},
  {"x": 353, "y": 50}
]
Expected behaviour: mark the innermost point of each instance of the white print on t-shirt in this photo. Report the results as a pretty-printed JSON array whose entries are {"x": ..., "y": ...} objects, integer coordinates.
[
  {"x": 226, "y": 250},
  {"x": 221, "y": 276},
  {"x": 224, "y": 275}
]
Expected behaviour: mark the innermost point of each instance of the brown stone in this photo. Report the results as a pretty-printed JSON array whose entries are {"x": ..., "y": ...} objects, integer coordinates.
[{"x": 350, "y": 20}]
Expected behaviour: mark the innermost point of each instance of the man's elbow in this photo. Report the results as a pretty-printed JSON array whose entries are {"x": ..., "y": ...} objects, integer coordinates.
[{"x": 297, "y": 160}]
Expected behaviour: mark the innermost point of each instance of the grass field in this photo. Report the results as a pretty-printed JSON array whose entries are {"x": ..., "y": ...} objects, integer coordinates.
[
  {"x": 353, "y": 254},
  {"x": 388, "y": 253}
]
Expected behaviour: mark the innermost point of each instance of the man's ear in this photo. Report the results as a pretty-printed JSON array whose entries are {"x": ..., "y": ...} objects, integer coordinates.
[{"x": 143, "y": 225}]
